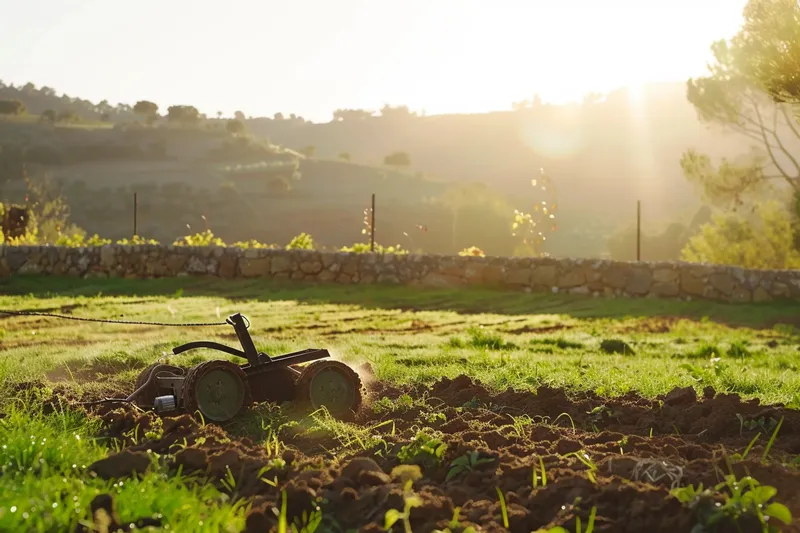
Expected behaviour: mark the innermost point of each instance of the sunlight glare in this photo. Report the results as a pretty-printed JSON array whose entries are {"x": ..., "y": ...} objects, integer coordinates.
[{"x": 561, "y": 138}]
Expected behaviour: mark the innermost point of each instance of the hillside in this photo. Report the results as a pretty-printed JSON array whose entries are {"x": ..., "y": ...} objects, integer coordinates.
[
  {"x": 602, "y": 158},
  {"x": 243, "y": 188}
]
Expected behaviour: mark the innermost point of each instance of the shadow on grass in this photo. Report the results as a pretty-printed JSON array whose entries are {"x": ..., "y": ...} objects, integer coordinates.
[{"x": 465, "y": 301}]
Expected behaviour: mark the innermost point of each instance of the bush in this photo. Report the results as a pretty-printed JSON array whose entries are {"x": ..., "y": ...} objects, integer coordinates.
[
  {"x": 301, "y": 242},
  {"x": 77, "y": 240},
  {"x": 235, "y": 126},
  {"x": 765, "y": 240},
  {"x": 205, "y": 238},
  {"x": 472, "y": 251},
  {"x": 363, "y": 248},
  {"x": 11, "y": 107},
  {"x": 48, "y": 115},
  {"x": 136, "y": 241},
  {"x": 252, "y": 243}
]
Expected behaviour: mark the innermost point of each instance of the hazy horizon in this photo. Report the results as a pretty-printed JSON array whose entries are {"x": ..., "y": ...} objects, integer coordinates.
[{"x": 309, "y": 57}]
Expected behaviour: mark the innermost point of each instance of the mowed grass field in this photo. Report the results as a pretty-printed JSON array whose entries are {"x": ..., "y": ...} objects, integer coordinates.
[{"x": 403, "y": 342}]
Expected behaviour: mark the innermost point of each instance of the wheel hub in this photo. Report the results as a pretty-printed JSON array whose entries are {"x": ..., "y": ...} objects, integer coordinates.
[
  {"x": 219, "y": 394},
  {"x": 331, "y": 388}
]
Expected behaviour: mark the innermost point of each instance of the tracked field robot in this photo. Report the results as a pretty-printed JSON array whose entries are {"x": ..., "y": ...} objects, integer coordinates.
[{"x": 219, "y": 389}]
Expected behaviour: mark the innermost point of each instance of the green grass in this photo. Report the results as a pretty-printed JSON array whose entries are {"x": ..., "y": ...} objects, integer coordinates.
[
  {"x": 44, "y": 485},
  {"x": 504, "y": 339}
]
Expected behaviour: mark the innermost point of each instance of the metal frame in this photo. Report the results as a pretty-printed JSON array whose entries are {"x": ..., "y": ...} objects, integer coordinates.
[
  {"x": 171, "y": 386},
  {"x": 257, "y": 362}
]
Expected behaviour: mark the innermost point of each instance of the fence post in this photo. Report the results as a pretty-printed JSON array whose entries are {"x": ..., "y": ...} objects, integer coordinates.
[
  {"x": 638, "y": 230},
  {"x": 372, "y": 226}
]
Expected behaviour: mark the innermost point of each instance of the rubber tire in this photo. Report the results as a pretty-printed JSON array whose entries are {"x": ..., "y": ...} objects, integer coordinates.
[
  {"x": 308, "y": 373},
  {"x": 197, "y": 372},
  {"x": 275, "y": 386},
  {"x": 148, "y": 396}
]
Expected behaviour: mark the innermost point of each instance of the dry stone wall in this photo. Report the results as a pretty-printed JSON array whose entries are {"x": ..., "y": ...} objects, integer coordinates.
[{"x": 573, "y": 276}]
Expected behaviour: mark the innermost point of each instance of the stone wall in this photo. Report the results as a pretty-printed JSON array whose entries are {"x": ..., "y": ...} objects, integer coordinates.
[{"x": 573, "y": 276}]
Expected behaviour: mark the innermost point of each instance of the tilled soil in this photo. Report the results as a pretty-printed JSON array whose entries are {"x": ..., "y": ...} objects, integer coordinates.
[{"x": 635, "y": 450}]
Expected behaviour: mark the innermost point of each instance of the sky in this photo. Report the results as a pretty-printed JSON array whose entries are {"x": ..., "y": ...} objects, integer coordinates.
[{"x": 310, "y": 57}]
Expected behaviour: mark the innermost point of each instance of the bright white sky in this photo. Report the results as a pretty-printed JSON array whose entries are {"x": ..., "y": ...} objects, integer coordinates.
[{"x": 310, "y": 57}]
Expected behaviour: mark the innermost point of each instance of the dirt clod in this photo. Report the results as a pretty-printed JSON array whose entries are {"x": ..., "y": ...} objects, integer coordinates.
[
  {"x": 192, "y": 459},
  {"x": 631, "y": 455},
  {"x": 121, "y": 465},
  {"x": 359, "y": 465},
  {"x": 682, "y": 396},
  {"x": 565, "y": 446}
]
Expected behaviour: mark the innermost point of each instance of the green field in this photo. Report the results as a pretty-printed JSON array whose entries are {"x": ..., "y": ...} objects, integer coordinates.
[{"x": 411, "y": 339}]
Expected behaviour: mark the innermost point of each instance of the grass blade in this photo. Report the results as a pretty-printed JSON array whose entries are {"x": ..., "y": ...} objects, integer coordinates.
[
  {"x": 771, "y": 441},
  {"x": 544, "y": 473},
  {"x": 590, "y": 524},
  {"x": 503, "y": 508},
  {"x": 749, "y": 446}
]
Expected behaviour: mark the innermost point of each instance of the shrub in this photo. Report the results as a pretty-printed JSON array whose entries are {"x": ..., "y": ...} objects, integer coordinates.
[
  {"x": 472, "y": 251},
  {"x": 304, "y": 241},
  {"x": 764, "y": 239},
  {"x": 205, "y": 238},
  {"x": 29, "y": 238},
  {"x": 12, "y": 107},
  {"x": 77, "y": 240},
  {"x": 363, "y": 248},
  {"x": 137, "y": 240}
]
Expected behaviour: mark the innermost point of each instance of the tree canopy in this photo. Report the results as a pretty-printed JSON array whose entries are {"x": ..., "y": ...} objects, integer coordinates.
[
  {"x": 147, "y": 110},
  {"x": 739, "y": 94},
  {"x": 397, "y": 112},
  {"x": 351, "y": 114},
  {"x": 770, "y": 40},
  {"x": 397, "y": 159},
  {"x": 752, "y": 88},
  {"x": 764, "y": 239},
  {"x": 185, "y": 115},
  {"x": 235, "y": 126},
  {"x": 11, "y": 107}
]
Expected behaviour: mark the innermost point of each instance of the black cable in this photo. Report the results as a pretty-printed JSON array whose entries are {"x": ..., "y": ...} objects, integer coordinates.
[
  {"x": 107, "y": 400},
  {"x": 113, "y": 400},
  {"x": 107, "y": 321}
]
